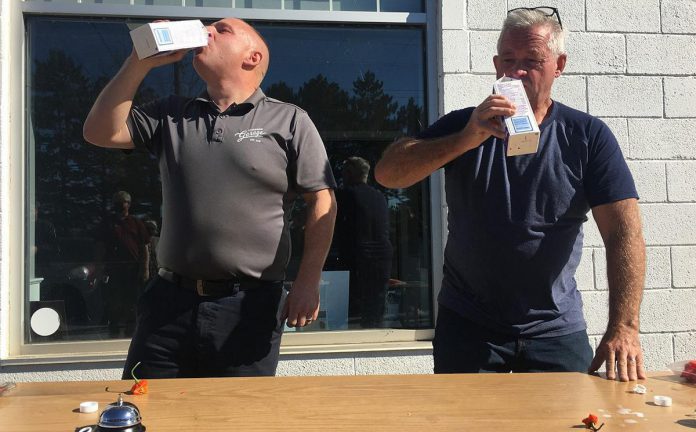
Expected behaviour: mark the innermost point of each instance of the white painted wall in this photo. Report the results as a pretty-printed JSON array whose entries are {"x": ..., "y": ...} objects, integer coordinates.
[{"x": 631, "y": 63}]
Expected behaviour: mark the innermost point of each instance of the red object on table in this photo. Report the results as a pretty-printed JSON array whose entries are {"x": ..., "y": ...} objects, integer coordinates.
[{"x": 689, "y": 371}]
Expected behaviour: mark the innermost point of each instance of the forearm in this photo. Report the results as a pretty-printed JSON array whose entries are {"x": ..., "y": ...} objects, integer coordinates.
[
  {"x": 626, "y": 274},
  {"x": 319, "y": 225},
  {"x": 146, "y": 259},
  {"x": 105, "y": 125},
  {"x": 409, "y": 160}
]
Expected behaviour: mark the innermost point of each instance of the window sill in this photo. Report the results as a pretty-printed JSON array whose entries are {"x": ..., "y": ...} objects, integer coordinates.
[{"x": 382, "y": 340}]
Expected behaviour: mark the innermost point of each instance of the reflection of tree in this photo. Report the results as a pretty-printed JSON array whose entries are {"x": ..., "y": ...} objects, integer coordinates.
[
  {"x": 74, "y": 180},
  {"x": 374, "y": 110},
  {"x": 363, "y": 122},
  {"x": 281, "y": 91},
  {"x": 326, "y": 103},
  {"x": 410, "y": 118}
]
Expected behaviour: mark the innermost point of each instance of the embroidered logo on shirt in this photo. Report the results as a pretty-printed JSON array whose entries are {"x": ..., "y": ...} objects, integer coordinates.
[{"x": 251, "y": 134}]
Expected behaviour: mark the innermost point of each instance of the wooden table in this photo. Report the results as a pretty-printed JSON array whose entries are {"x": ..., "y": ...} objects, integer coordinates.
[{"x": 485, "y": 402}]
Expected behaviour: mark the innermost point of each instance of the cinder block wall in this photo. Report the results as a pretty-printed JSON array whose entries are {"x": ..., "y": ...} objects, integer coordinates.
[{"x": 633, "y": 64}]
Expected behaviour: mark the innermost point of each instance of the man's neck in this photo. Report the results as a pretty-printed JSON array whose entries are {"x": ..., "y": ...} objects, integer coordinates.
[
  {"x": 226, "y": 93},
  {"x": 541, "y": 109}
]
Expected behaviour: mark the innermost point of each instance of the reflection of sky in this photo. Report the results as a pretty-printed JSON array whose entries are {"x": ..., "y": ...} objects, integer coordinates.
[{"x": 342, "y": 54}]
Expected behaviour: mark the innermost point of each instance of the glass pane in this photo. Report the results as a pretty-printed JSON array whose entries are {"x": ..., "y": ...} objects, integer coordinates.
[
  {"x": 80, "y": 265},
  {"x": 362, "y": 86},
  {"x": 355, "y": 5},
  {"x": 258, "y": 4},
  {"x": 401, "y": 6},
  {"x": 307, "y": 4}
]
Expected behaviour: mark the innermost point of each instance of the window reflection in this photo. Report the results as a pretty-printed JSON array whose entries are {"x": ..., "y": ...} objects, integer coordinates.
[
  {"x": 308, "y": 4},
  {"x": 324, "y": 5},
  {"x": 362, "y": 86}
]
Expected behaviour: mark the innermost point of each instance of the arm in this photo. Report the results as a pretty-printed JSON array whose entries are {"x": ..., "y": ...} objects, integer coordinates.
[
  {"x": 620, "y": 226},
  {"x": 105, "y": 125},
  {"x": 303, "y": 301},
  {"x": 145, "y": 264},
  {"x": 410, "y": 160}
]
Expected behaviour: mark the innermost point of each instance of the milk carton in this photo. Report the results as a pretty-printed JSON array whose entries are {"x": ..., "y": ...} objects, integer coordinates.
[
  {"x": 523, "y": 131},
  {"x": 167, "y": 36}
]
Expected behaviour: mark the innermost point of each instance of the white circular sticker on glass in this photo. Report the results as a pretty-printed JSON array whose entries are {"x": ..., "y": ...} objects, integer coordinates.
[{"x": 45, "y": 321}]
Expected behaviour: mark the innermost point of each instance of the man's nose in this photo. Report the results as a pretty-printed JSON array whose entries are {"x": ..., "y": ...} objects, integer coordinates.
[
  {"x": 517, "y": 69},
  {"x": 518, "y": 72}
]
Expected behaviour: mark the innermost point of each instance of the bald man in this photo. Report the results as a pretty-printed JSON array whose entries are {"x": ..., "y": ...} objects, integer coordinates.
[{"x": 232, "y": 161}]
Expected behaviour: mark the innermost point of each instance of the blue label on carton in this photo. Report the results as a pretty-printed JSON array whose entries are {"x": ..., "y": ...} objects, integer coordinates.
[
  {"x": 163, "y": 36},
  {"x": 521, "y": 124}
]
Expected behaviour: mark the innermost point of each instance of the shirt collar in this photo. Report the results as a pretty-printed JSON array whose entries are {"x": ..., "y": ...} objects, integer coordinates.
[{"x": 248, "y": 104}]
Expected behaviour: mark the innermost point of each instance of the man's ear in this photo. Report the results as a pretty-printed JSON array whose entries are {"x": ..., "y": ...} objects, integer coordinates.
[
  {"x": 560, "y": 64},
  {"x": 498, "y": 73},
  {"x": 253, "y": 59}
]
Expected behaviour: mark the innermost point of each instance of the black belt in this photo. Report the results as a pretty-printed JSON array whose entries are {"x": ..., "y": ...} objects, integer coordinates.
[{"x": 216, "y": 288}]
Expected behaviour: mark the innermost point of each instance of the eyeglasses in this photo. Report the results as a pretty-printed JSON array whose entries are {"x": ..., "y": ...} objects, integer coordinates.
[{"x": 546, "y": 10}]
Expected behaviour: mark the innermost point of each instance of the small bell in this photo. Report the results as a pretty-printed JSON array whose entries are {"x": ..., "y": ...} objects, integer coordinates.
[{"x": 120, "y": 416}]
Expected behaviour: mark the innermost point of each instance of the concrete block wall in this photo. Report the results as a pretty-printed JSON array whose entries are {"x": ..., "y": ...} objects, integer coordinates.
[{"x": 634, "y": 66}]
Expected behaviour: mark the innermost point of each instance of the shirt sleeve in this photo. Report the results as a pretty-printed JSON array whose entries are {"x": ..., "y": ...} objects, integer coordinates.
[
  {"x": 608, "y": 178},
  {"x": 145, "y": 124},
  {"x": 312, "y": 168},
  {"x": 447, "y": 125}
]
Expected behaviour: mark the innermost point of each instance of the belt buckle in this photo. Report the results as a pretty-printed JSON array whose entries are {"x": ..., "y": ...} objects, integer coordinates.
[{"x": 200, "y": 288}]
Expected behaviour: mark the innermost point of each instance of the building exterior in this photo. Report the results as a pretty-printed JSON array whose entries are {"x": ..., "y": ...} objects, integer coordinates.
[{"x": 367, "y": 71}]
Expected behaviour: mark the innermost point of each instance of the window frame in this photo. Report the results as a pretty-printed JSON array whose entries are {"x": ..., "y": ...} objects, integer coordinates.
[{"x": 12, "y": 326}]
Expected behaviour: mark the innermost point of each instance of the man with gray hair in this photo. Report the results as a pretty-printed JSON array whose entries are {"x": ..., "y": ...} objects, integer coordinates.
[{"x": 509, "y": 299}]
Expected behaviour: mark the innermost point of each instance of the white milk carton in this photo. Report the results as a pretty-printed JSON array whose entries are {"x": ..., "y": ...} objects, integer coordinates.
[
  {"x": 166, "y": 36},
  {"x": 523, "y": 130}
]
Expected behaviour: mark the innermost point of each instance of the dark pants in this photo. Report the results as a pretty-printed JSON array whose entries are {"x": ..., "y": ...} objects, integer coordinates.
[
  {"x": 124, "y": 286},
  {"x": 461, "y": 346},
  {"x": 369, "y": 281},
  {"x": 181, "y": 334}
]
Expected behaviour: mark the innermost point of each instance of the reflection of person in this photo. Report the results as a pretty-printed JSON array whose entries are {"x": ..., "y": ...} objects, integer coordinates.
[
  {"x": 153, "y": 230},
  {"x": 362, "y": 231},
  {"x": 232, "y": 162},
  {"x": 122, "y": 249},
  {"x": 509, "y": 299}
]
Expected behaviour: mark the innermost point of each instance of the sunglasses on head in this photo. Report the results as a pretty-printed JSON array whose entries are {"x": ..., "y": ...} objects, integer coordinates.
[{"x": 546, "y": 10}]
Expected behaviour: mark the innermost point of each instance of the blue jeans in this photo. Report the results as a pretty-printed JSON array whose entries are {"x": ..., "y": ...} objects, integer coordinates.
[
  {"x": 181, "y": 334},
  {"x": 461, "y": 346}
]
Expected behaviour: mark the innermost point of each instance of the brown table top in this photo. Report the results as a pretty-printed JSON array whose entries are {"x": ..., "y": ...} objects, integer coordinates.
[{"x": 476, "y": 402}]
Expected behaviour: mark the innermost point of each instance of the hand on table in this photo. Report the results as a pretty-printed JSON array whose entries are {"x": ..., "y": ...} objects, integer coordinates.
[{"x": 621, "y": 351}]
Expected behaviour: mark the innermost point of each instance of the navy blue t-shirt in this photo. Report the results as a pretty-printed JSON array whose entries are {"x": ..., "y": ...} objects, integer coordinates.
[{"x": 515, "y": 223}]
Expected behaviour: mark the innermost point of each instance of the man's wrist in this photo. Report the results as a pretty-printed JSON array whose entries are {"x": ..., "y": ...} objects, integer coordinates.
[{"x": 629, "y": 325}]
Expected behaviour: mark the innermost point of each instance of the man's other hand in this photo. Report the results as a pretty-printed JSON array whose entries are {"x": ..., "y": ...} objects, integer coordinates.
[
  {"x": 620, "y": 350},
  {"x": 302, "y": 304}
]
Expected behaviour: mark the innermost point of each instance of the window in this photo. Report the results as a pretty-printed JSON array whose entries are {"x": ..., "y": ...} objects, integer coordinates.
[
  {"x": 363, "y": 86},
  {"x": 326, "y": 5}
]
